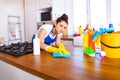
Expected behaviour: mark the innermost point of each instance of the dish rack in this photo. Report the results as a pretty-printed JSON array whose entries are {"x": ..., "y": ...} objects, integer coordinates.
[{"x": 14, "y": 29}]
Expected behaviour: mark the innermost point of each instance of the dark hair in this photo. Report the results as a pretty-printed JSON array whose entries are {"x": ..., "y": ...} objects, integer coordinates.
[{"x": 64, "y": 17}]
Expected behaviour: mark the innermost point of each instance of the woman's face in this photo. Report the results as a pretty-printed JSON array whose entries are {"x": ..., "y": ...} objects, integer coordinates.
[{"x": 61, "y": 26}]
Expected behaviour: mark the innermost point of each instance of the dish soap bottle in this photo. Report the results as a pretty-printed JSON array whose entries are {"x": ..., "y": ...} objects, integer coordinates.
[
  {"x": 36, "y": 45},
  {"x": 80, "y": 30}
]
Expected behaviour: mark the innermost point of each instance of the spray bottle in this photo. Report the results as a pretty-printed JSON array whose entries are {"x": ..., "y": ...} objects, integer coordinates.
[{"x": 36, "y": 45}]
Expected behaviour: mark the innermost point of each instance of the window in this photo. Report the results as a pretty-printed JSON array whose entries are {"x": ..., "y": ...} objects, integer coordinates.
[
  {"x": 98, "y": 13},
  {"x": 79, "y": 12},
  {"x": 115, "y": 13}
]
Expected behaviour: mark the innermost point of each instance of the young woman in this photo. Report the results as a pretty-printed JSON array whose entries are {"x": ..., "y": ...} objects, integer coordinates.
[{"x": 49, "y": 34}]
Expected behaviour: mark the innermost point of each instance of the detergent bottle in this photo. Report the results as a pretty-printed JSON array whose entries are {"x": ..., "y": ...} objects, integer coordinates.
[
  {"x": 36, "y": 45},
  {"x": 80, "y": 30}
]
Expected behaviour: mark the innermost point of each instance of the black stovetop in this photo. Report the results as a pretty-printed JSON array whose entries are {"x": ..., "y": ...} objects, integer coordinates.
[{"x": 17, "y": 49}]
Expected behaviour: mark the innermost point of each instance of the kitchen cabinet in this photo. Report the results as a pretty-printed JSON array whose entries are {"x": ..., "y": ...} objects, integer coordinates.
[
  {"x": 32, "y": 8},
  {"x": 32, "y": 11},
  {"x": 14, "y": 73},
  {"x": 44, "y": 4},
  {"x": 30, "y": 18}
]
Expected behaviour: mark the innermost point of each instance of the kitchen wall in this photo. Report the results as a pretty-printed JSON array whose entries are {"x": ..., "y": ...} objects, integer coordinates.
[{"x": 10, "y": 7}]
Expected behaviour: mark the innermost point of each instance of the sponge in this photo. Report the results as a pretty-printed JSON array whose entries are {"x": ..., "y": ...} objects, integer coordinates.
[{"x": 63, "y": 55}]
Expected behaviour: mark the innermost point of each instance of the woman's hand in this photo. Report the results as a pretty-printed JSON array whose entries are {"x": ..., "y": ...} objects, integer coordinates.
[
  {"x": 54, "y": 49},
  {"x": 62, "y": 47}
]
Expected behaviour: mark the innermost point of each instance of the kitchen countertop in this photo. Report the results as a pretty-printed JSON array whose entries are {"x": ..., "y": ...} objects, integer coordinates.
[
  {"x": 69, "y": 38},
  {"x": 78, "y": 67}
]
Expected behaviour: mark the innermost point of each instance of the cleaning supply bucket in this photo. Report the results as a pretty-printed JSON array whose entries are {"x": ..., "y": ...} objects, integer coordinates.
[{"x": 110, "y": 43}]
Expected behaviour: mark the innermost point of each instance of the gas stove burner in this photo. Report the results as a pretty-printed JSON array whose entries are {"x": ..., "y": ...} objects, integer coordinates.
[{"x": 17, "y": 49}]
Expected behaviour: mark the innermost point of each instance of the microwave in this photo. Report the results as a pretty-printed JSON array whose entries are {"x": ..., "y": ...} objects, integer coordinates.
[{"x": 46, "y": 16}]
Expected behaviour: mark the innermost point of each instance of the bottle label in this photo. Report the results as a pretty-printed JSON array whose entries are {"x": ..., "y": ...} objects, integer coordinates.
[{"x": 36, "y": 46}]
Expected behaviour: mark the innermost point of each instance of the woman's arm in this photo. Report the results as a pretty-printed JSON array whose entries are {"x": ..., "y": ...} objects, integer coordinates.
[
  {"x": 45, "y": 46},
  {"x": 42, "y": 36},
  {"x": 58, "y": 40}
]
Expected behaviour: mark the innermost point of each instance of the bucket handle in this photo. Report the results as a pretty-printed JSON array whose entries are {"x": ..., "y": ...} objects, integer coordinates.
[{"x": 109, "y": 46}]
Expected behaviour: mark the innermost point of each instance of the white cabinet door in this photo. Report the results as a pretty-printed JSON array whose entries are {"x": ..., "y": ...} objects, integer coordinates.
[
  {"x": 58, "y": 8},
  {"x": 44, "y": 4},
  {"x": 30, "y": 19}
]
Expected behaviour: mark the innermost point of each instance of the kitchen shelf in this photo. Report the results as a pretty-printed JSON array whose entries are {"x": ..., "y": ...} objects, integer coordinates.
[{"x": 14, "y": 29}]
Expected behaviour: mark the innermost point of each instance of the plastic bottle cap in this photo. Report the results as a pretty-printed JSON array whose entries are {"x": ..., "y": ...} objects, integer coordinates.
[{"x": 36, "y": 36}]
